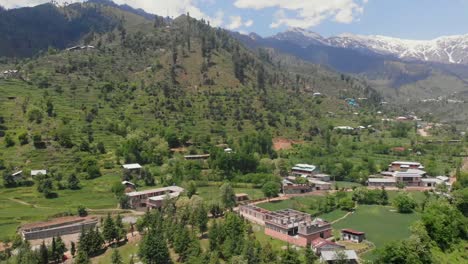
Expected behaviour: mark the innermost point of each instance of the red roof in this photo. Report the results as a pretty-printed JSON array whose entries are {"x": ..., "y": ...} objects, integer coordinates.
[{"x": 352, "y": 231}]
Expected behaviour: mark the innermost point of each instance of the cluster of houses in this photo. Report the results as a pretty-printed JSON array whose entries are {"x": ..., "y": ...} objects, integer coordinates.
[
  {"x": 409, "y": 173},
  {"x": 9, "y": 74},
  {"x": 313, "y": 180},
  {"x": 300, "y": 229}
]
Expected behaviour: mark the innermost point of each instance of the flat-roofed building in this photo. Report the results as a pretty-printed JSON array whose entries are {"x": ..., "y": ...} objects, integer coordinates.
[
  {"x": 197, "y": 157},
  {"x": 320, "y": 185},
  {"x": 339, "y": 256},
  {"x": 57, "y": 227},
  {"x": 411, "y": 177},
  {"x": 303, "y": 169},
  {"x": 296, "y": 227},
  {"x": 153, "y": 198},
  {"x": 322, "y": 177},
  {"x": 37, "y": 172},
  {"x": 404, "y": 165},
  {"x": 240, "y": 197},
  {"x": 378, "y": 182},
  {"x": 288, "y": 225}
]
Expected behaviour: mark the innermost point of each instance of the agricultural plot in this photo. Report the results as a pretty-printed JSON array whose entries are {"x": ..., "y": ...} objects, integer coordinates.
[{"x": 211, "y": 193}]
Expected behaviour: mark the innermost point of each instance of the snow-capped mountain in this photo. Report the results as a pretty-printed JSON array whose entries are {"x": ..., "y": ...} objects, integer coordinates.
[{"x": 448, "y": 49}]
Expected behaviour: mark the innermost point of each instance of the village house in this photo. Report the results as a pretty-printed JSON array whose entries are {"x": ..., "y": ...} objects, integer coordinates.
[
  {"x": 197, "y": 157},
  {"x": 322, "y": 177},
  {"x": 379, "y": 182},
  {"x": 320, "y": 244},
  {"x": 331, "y": 257},
  {"x": 288, "y": 225},
  {"x": 129, "y": 186},
  {"x": 131, "y": 168},
  {"x": 153, "y": 198},
  {"x": 241, "y": 197},
  {"x": 352, "y": 235},
  {"x": 34, "y": 173},
  {"x": 303, "y": 170},
  {"x": 296, "y": 188},
  {"x": 57, "y": 227},
  {"x": 411, "y": 177},
  {"x": 320, "y": 185},
  {"x": 404, "y": 165},
  {"x": 17, "y": 175}
]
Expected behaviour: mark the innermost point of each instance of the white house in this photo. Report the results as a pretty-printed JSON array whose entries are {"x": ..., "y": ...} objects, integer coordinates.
[{"x": 37, "y": 172}]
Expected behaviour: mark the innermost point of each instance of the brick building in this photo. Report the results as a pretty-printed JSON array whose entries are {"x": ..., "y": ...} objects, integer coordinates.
[
  {"x": 288, "y": 225},
  {"x": 153, "y": 198}
]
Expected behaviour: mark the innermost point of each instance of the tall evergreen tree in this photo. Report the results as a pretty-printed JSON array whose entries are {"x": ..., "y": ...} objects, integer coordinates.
[
  {"x": 109, "y": 231},
  {"x": 153, "y": 248},
  {"x": 44, "y": 253},
  {"x": 116, "y": 258}
]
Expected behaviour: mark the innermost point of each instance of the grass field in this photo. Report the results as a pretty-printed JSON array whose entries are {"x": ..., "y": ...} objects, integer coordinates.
[
  {"x": 25, "y": 204},
  {"x": 381, "y": 224},
  {"x": 211, "y": 193}
]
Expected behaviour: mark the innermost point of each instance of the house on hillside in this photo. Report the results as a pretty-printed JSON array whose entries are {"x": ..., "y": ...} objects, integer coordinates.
[
  {"x": 303, "y": 170},
  {"x": 296, "y": 188},
  {"x": 411, "y": 177},
  {"x": 197, "y": 157},
  {"x": 320, "y": 185},
  {"x": 129, "y": 186},
  {"x": 17, "y": 176},
  {"x": 241, "y": 197},
  {"x": 322, "y": 177},
  {"x": 34, "y": 173},
  {"x": 352, "y": 235},
  {"x": 379, "y": 182},
  {"x": 404, "y": 165},
  {"x": 132, "y": 168}
]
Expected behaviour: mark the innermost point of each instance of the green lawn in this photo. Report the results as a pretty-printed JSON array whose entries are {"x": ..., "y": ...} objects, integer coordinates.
[
  {"x": 211, "y": 193},
  {"x": 345, "y": 184},
  {"x": 126, "y": 251},
  {"x": 25, "y": 204},
  {"x": 381, "y": 223}
]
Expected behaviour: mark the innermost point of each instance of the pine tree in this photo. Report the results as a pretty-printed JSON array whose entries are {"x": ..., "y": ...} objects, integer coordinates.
[
  {"x": 182, "y": 242},
  {"x": 153, "y": 248},
  {"x": 53, "y": 250},
  {"x": 73, "y": 248},
  {"x": 44, "y": 253},
  {"x": 116, "y": 258},
  {"x": 81, "y": 258},
  {"x": 121, "y": 233},
  {"x": 109, "y": 231},
  {"x": 60, "y": 248},
  {"x": 383, "y": 196},
  {"x": 202, "y": 219}
]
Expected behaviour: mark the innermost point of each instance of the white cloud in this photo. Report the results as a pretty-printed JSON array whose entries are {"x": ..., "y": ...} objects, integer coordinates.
[
  {"x": 248, "y": 23},
  {"x": 308, "y": 13},
  {"x": 235, "y": 22},
  {"x": 172, "y": 8}
]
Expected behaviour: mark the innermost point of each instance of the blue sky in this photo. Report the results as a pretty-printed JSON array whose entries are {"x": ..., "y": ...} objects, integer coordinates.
[{"x": 412, "y": 19}]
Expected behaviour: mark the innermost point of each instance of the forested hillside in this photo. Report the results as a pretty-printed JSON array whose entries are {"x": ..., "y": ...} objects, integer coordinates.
[{"x": 158, "y": 81}]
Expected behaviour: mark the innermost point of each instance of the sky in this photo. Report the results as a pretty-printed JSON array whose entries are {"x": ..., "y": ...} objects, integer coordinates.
[{"x": 410, "y": 19}]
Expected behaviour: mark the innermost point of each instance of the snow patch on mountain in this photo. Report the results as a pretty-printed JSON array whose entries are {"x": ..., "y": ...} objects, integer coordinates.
[{"x": 446, "y": 49}]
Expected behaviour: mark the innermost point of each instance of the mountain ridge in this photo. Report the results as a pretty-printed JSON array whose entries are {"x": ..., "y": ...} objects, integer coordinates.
[{"x": 444, "y": 49}]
